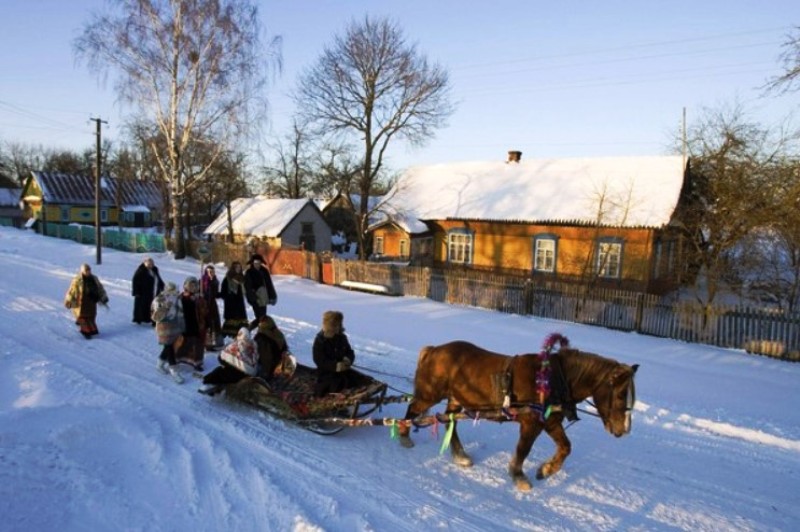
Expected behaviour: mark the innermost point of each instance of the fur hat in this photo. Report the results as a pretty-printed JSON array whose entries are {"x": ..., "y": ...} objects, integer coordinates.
[
  {"x": 332, "y": 323},
  {"x": 170, "y": 287},
  {"x": 256, "y": 257}
]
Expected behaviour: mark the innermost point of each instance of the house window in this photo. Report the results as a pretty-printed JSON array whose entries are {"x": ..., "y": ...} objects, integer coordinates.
[
  {"x": 609, "y": 258},
  {"x": 64, "y": 214},
  {"x": 544, "y": 253},
  {"x": 378, "y": 247},
  {"x": 403, "y": 247},
  {"x": 670, "y": 256},
  {"x": 657, "y": 260},
  {"x": 103, "y": 215},
  {"x": 459, "y": 246},
  {"x": 307, "y": 239}
]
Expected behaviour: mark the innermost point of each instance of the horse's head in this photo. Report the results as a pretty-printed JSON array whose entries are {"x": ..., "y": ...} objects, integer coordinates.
[{"x": 614, "y": 397}]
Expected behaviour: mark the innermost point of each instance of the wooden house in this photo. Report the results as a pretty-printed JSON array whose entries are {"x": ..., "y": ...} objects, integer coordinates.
[
  {"x": 601, "y": 220},
  {"x": 10, "y": 211},
  {"x": 341, "y": 211},
  {"x": 50, "y": 197},
  {"x": 278, "y": 222}
]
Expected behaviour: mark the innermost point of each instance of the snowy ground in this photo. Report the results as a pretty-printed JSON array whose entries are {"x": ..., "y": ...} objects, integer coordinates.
[{"x": 92, "y": 437}]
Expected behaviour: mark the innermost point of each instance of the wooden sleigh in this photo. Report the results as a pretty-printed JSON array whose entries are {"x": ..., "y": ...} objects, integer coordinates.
[{"x": 291, "y": 397}]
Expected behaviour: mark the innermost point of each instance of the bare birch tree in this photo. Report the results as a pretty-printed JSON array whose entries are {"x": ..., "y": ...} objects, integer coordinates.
[
  {"x": 193, "y": 67},
  {"x": 372, "y": 86}
]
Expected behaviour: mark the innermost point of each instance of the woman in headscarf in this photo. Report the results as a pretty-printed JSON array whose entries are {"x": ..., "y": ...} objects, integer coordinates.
[
  {"x": 232, "y": 293},
  {"x": 84, "y": 293},
  {"x": 145, "y": 286}
]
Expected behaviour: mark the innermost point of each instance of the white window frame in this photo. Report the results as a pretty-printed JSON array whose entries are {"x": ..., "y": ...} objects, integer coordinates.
[
  {"x": 609, "y": 258},
  {"x": 460, "y": 245},
  {"x": 543, "y": 255},
  {"x": 378, "y": 245},
  {"x": 403, "y": 247}
]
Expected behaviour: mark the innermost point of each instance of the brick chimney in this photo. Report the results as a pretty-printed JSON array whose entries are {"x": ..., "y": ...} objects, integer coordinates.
[{"x": 514, "y": 156}]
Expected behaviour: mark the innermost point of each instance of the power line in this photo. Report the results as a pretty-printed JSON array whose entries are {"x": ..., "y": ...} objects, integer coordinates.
[{"x": 623, "y": 48}]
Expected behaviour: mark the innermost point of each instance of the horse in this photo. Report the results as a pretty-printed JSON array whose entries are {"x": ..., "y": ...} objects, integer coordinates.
[{"x": 467, "y": 376}]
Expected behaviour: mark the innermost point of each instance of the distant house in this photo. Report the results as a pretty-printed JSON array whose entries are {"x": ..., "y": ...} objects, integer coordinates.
[
  {"x": 279, "y": 222},
  {"x": 10, "y": 211},
  {"x": 605, "y": 219},
  {"x": 68, "y": 198},
  {"x": 341, "y": 210}
]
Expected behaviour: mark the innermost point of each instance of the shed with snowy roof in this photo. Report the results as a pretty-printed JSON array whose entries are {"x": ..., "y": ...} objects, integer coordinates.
[
  {"x": 278, "y": 222},
  {"x": 606, "y": 219}
]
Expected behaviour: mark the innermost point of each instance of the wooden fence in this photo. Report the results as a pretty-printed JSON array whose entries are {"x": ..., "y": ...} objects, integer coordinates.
[{"x": 764, "y": 331}]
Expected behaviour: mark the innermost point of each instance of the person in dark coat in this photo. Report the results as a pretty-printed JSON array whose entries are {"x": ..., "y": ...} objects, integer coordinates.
[
  {"x": 209, "y": 286},
  {"x": 84, "y": 293},
  {"x": 334, "y": 356},
  {"x": 232, "y": 293},
  {"x": 146, "y": 285},
  {"x": 190, "y": 347},
  {"x": 258, "y": 288}
]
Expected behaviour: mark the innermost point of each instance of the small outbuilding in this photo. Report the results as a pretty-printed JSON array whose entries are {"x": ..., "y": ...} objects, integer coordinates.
[{"x": 278, "y": 222}]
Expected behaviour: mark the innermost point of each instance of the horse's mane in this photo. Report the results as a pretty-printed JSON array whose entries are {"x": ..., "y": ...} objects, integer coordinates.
[{"x": 580, "y": 364}]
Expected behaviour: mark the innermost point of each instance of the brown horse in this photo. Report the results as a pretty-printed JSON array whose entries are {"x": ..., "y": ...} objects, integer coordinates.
[{"x": 467, "y": 376}]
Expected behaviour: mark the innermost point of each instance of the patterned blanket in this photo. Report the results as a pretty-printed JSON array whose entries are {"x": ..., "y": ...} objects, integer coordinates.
[{"x": 293, "y": 397}]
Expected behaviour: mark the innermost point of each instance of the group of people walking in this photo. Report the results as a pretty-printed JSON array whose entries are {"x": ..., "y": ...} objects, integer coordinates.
[{"x": 187, "y": 323}]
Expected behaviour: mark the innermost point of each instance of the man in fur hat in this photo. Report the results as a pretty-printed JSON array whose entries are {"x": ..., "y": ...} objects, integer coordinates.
[{"x": 333, "y": 356}]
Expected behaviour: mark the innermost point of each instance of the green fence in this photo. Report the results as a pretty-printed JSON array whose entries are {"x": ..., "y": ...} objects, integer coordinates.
[{"x": 113, "y": 237}]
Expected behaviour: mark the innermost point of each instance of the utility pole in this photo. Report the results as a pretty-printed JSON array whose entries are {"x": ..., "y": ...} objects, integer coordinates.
[
  {"x": 683, "y": 139},
  {"x": 98, "y": 235}
]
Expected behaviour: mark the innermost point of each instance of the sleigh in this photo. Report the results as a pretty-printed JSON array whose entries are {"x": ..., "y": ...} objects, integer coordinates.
[{"x": 291, "y": 397}]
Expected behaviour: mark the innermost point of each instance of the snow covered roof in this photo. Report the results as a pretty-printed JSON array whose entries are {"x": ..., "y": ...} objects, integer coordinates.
[
  {"x": 258, "y": 216},
  {"x": 79, "y": 190},
  {"x": 9, "y": 197},
  {"x": 611, "y": 191}
]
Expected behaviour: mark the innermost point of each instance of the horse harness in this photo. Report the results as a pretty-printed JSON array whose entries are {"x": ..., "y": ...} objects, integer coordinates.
[{"x": 552, "y": 388}]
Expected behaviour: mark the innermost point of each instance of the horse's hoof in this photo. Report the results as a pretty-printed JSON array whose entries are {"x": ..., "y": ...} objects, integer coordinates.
[
  {"x": 462, "y": 460},
  {"x": 546, "y": 470},
  {"x": 406, "y": 442},
  {"x": 522, "y": 483}
]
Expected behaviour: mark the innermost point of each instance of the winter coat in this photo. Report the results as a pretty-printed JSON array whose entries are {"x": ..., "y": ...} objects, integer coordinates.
[
  {"x": 190, "y": 347},
  {"x": 328, "y": 351},
  {"x": 146, "y": 284},
  {"x": 167, "y": 312},
  {"x": 209, "y": 287},
  {"x": 83, "y": 295},
  {"x": 232, "y": 294},
  {"x": 271, "y": 347},
  {"x": 258, "y": 286}
]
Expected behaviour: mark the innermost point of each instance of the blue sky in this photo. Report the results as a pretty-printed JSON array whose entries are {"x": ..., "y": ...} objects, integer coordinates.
[{"x": 557, "y": 79}]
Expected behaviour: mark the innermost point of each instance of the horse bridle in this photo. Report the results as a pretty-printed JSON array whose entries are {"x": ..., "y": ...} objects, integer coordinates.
[{"x": 630, "y": 400}]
